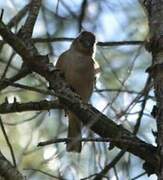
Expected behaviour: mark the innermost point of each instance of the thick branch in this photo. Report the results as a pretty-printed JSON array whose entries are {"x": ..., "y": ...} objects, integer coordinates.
[{"x": 30, "y": 106}]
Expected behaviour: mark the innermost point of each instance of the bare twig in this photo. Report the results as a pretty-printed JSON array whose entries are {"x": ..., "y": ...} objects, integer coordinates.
[
  {"x": 8, "y": 65},
  {"x": 111, "y": 43},
  {"x": 143, "y": 104},
  {"x": 30, "y": 106},
  {"x": 66, "y": 140},
  {"x": 140, "y": 175},
  {"x": 29, "y": 88},
  {"x": 1, "y": 15},
  {"x": 14, "y": 21},
  {"x": 8, "y": 171},
  {"x": 43, "y": 172},
  {"x": 68, "y": 9},
  {"x": 82, "y": 14},
  {"x": 8, "y": 142},
  {"x": 25, "y": 33},
  {"x": 110, "y": 165},
  {"x": 121, "y": 91},
  {"x": 6, "y": 82}
]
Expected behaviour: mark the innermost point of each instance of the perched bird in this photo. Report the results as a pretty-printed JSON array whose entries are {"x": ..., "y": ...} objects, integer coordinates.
[{"x": 77, "y": 65}]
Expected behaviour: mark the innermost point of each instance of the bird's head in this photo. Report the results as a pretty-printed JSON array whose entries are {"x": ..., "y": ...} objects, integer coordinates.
[{"x": 85, "y": 42}]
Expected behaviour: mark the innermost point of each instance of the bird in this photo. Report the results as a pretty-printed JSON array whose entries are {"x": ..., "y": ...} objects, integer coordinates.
[{"x": 77, "y": 65}]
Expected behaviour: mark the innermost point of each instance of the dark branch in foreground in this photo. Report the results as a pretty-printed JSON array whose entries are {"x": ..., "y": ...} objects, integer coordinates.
[{"x": 30, "y": 106}]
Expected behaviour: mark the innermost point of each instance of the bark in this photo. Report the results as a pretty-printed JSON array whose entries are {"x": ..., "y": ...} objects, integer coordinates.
[
  {"x": 7, "y": 171},
  {"x": 155, "y": 14}
]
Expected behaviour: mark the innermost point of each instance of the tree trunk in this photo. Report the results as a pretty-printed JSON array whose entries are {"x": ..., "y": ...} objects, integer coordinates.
[{"x": 155, "y": 14}]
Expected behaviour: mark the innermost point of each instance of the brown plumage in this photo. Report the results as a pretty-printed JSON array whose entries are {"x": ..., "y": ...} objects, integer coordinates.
[{"x": 78, "y": 67}]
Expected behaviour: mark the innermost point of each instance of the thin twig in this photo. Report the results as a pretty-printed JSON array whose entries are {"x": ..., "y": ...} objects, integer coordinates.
[
  {"x": 8, "y": 65},
  {"x": 43, "y": 172},
  {"x": 121, "y": 91},
  {"x": 82, "y": 14},
  {"x": 140, "y": 175},
  {"x": 6, "y": 82},
  {"x": 68, "y": 9},
  {"x": 14, "y": 21},
  {"x": 8, "y": 142},
  {"x": 1, "y": 15},
  {"x": 57, "y": 7},
  {"x": 110, "y": 165},
  {"x": 143, "y": 104},
  {"x": 92, "y": 175},
  {"x": 126, "y": 140},
  {"x": 17, "y": 85}
]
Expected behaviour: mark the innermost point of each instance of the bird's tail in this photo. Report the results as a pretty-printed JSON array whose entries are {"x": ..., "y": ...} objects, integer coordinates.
[{"x": 74, "y": 132}]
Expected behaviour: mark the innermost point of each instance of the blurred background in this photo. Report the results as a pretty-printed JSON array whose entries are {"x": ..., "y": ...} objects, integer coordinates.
[{"x": 120, "y": 90}]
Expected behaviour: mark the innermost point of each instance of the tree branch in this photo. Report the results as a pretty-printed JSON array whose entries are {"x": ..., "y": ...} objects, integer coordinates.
[
  {"x": 8, "y": 142},
  {"x": 111, "y": 43},
  {"x": 28, "y": 27},
  {"x": 30, "y": 106}
]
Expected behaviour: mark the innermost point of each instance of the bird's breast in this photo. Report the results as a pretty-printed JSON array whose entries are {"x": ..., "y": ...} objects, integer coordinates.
[{"x": 80, "y": 75}]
